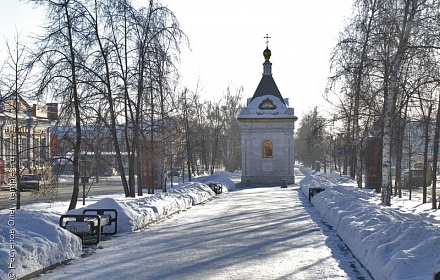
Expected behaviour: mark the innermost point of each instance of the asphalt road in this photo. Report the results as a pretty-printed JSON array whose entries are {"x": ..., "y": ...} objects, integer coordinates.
[
  {"x": 106, "y": 185},
  {"x": 62, "y": 192}
]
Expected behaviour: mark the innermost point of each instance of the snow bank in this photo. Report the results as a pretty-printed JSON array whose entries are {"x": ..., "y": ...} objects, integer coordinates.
[
  {"x": 32, "y": 240},
  {"x": 389, "y": 243},
  {"x": 399, "y": 242},
  {"x": 138, "y": 212},
  {"x": 221, "y": 177},
  {"x": 28, "y": 239},
  {"x": 197, "y": 192}
]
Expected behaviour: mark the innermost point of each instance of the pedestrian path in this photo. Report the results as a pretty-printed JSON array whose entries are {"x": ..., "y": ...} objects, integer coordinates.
[{"x": 259, "y": 233}]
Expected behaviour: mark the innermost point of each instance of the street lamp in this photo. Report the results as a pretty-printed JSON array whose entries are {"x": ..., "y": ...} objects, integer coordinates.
[
  {"x": 295, "y": 119},
  {"x": 340, "y": 152}
]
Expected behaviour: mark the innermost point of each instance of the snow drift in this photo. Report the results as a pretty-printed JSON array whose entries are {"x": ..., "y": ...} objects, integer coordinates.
[
  {"x": 33, "y": 240},
  {"x": 389, "y": 243}
]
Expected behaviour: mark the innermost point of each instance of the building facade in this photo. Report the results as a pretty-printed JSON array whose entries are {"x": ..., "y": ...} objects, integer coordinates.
[
  {"x": 24, "y": 136},
  {"x": 267, "y": 133}
]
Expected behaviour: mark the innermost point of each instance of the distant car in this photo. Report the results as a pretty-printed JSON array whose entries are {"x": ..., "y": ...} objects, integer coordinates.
[
  {"x": 175, "y": 172},
  {"x": 30, "y": 182},
  {"x": 414, "y": 178}
]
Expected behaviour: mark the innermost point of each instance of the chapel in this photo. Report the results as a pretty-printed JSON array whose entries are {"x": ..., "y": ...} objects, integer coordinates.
[{"x": 267, "y": 133}]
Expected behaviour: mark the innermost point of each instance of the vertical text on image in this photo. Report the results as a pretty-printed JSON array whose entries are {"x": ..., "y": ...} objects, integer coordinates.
[{"x": 12, "y": 182}]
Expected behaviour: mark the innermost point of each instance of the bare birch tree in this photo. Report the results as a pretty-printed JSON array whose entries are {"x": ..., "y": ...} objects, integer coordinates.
[{"x": 392, "y": 47}]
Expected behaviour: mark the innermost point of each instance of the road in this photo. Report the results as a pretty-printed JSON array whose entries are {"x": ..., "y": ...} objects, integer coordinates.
[
  {"x": 62, "y": 191},
  {"x": 256, "y": 233}
]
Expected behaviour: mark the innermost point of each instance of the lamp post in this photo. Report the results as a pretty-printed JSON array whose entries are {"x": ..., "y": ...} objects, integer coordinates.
[
  {"x": 409, "y": 157},
  {"x": 184, "y": 159},
  {"x": 295, "y": 118},
  {"x": 340, "y": 153},
  {"x": 17, "y": 153}
]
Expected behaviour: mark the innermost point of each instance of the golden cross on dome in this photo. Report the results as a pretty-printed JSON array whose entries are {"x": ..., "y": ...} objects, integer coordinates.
[{"x": 267, "y": 40}]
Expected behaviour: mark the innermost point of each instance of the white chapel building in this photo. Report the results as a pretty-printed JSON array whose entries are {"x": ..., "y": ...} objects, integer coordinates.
[{"x": 267, "y": 133}]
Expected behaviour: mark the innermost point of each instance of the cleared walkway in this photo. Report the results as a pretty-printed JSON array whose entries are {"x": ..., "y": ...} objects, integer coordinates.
[{"x": 261, "y": 233}]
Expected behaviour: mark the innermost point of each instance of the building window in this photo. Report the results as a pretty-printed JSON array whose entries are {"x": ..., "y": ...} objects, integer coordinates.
[{"x": 267, "y": 149}]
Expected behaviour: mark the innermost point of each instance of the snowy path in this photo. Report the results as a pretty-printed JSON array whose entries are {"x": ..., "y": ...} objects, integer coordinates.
[{"x": 246, "y": 234}]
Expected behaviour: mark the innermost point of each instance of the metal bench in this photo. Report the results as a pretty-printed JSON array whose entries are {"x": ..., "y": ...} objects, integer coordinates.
[
  {"x": 91, "y": 224},
  {"x": 315, "y": 191},
  {"x": 215, "y": 187}
]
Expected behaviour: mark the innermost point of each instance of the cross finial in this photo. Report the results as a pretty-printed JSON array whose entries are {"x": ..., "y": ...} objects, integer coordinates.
[{"x": 267, "y": 40}]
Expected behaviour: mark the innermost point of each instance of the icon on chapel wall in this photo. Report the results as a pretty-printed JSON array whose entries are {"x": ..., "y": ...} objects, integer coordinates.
[{"x": 267, "y": 149}]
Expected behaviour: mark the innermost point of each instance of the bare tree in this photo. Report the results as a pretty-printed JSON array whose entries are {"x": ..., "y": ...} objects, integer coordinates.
[
  {"x": 310, "y": 139},
  {"x": 230, "y": 140},
  {"x": 59, "y": 55},
  {"x": 14, "y": 81},
  {"x": 122, "y": 42},
  {"x": 381, "y": 63},
  {"x": 352, "y": 65}
]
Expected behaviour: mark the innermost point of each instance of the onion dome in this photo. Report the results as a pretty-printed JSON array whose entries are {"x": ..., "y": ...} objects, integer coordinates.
[{"x": 267, "y": 53}]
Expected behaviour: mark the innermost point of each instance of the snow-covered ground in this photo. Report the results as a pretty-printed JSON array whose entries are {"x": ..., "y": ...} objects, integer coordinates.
[{"x": 398, "y": 242}]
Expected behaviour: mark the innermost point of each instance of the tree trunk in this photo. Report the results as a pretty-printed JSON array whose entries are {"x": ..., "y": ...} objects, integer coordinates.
[
  {"x": 435, "y": 157},
  {"x": 77, "y": 145},
  {"x": 390, "y": 95},
  {"x": 425, "y": 154}
]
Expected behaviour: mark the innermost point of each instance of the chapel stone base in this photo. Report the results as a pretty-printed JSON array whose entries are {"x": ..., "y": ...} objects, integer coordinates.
[{"x": 266, "y": 180}]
